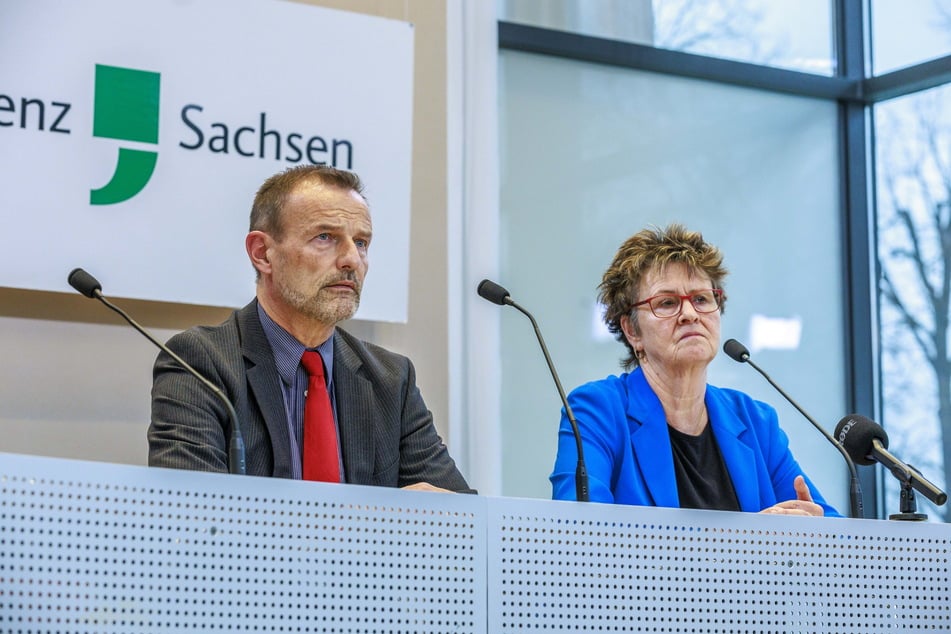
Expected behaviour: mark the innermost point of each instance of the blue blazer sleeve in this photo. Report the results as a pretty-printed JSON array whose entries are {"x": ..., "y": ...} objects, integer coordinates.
[
  {"x": 599, "y": 411},
  {"x": 756, "y": 451}
]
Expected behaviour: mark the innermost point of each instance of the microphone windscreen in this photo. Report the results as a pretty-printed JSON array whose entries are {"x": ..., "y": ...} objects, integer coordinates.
[
  {"x": 856, "y": 433},
  {"x": 736, "y": 350},
  {"x": 84, "y": 282},
  {"x": 493, "y": 292}
]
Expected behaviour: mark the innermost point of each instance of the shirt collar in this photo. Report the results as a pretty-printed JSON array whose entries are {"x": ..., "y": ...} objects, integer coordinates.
[{"x": 288, "y": 350}]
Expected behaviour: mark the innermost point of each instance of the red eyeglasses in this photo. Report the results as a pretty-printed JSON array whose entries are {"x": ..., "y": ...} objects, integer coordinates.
[{"x": 670, "y": 304}]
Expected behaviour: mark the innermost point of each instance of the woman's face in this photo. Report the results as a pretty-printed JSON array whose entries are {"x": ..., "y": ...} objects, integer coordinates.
[{"x": 685, "y": 341}]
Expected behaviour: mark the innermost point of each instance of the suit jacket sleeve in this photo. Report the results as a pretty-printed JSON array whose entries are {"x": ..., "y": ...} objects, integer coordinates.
[
  {"x": 190, "y": 425},
  {"x": 423, "y": 456},
  {"x": 387, "y": 432}
]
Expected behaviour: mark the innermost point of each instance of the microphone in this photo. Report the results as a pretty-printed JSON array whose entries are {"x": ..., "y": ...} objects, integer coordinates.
[
  {"x": 738, "y": 352},
  {"x": 90, "y": 287},
  {"x": 867, "y": 443},
  {"x": 497, "y": 295}
]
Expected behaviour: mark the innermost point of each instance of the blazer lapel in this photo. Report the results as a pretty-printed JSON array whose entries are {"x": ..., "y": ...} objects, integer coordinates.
[
  {"x": 737, "y": 456},
  {"x": 355, "y": 399},
  {"x": 650, "y": 442},
  {"x": 265, "y": 386}
]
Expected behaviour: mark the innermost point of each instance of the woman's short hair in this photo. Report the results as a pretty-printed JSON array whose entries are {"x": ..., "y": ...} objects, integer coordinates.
[{"x": 648, "y": 250}]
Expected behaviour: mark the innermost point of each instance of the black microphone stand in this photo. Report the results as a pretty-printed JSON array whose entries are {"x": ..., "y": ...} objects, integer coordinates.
[
  {"x": 908, "y": 506},
  {"x": 856, "y": 507},
  {"x": 89, "y": 286},
  {"x": 581, "y": 471},
  {"x": 738, "y": 352},
  {"x": 496, "y": 294}
]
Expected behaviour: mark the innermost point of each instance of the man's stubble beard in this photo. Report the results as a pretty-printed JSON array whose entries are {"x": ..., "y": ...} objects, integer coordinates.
[{"x": 324, "y": 306}]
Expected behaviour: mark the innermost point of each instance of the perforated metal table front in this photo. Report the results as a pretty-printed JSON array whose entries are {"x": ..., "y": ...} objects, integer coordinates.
[
  {"x": 93, "y": 547},
  {"x": 564, "y": 567}
]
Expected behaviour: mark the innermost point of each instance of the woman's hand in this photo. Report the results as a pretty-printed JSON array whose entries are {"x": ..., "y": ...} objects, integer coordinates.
[{"x": 802, "y": 505}]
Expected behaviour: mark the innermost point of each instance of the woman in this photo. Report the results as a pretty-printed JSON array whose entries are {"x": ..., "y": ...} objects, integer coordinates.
[{"x": 659, "y": 435}]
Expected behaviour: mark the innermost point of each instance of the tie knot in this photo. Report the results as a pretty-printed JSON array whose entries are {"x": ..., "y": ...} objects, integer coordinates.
[{"x": 313, "y": 363}]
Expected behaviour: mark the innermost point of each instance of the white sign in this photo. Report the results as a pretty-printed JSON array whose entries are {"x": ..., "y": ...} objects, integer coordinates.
[{"x": 133, "y": 136}]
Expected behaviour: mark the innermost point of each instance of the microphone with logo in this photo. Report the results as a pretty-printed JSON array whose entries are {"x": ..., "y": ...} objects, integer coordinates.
[
  {"x": 867, "y": 443},
  {"x": 497, "y": 295},
  {"x": 90, "y": 287},
  {"x": 738, "y": 352}
]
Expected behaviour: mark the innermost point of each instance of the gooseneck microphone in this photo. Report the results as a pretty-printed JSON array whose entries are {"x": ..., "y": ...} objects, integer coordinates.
[
  {"x": 738, "y": 352},
  {"x": 90, "y": 287},
  {"x": 497, "y": 295},
  {"x": 867, "y": 443}
]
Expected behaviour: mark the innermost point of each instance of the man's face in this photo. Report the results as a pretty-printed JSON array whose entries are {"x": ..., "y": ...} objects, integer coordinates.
[{"x": 320, "y": 261}]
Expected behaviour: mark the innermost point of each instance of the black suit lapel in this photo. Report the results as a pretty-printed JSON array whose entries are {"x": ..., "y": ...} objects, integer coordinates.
[
  {"x": 355, "y": 413},
  {"x": 265, "y": 386}
]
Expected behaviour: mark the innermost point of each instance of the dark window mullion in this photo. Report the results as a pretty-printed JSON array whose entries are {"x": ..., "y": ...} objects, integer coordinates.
[
  {"x": 858, "y": 235},
  {"x": 930, "y": 74},
  {"x": 532, "y": 39}
]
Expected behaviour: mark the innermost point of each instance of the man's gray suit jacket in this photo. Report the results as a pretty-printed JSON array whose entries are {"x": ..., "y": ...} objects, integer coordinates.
[{"x": 387, "y": 435}]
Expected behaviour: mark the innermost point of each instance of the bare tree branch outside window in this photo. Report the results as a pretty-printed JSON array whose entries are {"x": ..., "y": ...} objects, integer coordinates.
[
  {"x": 914, "y": 248},
  {"x": 723, "y": 28}
]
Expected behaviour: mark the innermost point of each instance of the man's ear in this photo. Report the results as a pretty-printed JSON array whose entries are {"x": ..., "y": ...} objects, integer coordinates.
[{"x": 258, "y": 246}]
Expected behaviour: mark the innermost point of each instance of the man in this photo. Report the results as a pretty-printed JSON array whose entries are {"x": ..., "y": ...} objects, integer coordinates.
[{"x": 308, "y": 241}]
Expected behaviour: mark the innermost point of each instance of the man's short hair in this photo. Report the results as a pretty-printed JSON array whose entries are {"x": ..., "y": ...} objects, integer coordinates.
[{"x": 273, "y": 193}]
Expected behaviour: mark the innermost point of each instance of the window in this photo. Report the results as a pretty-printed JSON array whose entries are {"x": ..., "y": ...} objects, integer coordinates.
[
  {"x": 907, "y": 33},
  {"x": 773, "y": 172},
  {"x": 913, "y": 170},
  {"x": 792, "y": 34},
  {"x": 590, "y": 155}
]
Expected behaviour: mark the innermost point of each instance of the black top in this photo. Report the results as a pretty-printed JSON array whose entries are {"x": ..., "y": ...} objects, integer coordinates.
[{"x": 702, "y": 479}]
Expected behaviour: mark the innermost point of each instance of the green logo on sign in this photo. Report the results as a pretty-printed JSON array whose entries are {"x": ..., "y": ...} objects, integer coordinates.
[{"x": 127, "y": 109}]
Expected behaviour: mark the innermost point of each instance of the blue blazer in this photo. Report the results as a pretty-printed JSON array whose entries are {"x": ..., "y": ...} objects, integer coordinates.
[{"x": 629, "y": 458}]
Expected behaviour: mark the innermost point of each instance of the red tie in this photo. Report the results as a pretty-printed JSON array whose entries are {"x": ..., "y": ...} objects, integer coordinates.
[{"x": 320, "y": 459}]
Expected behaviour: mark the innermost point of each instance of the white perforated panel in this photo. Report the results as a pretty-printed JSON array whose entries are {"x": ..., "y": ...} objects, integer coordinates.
[
  {"x": 87, "y": 547},
  {"x": 568, "y": 567}
]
